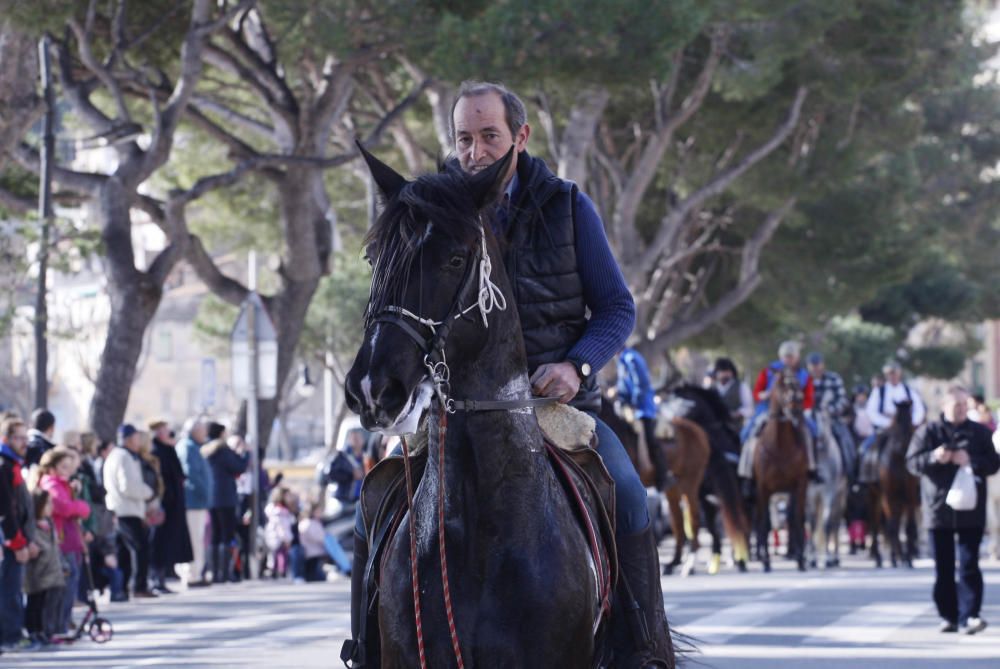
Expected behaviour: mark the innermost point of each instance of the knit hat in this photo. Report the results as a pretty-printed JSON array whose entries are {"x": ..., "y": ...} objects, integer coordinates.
[{"x": 125, "y": 431}]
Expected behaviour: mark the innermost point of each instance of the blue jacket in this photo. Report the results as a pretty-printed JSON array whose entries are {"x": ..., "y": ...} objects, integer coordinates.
[
  {"x": 634, "y": 386},
  {"x": 226, "y": 466},
  {"x": 198, "y": 483}
]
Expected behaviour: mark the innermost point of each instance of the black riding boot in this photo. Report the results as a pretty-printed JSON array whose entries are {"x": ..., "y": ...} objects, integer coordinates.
[
  {"x": 640, "y": 600},
  {"x": 353, "y": 651}
]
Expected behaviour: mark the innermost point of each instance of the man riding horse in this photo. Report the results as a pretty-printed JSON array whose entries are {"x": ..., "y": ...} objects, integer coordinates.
[
  {"x": 881, "y": 410},
  {"x": 832, "y": 399},
  {"x": 576, "y": 312},
  {"x": 789, "y": 356},
  {"x": 635, "y": 390}
]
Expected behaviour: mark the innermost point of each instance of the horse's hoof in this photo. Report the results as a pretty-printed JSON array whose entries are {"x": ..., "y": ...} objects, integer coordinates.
[
  {"x": 742, "y": 566},
  {"x": 812, "y": 564},
  {"x": 767, "y": 567},
  {"x": 668, "y": 570},
  {"x": 688, "y": 567},
  {"x": 802, "y": 565},
  {"x": 832, "y": 563},
  {"x": 713, "y": 564}
]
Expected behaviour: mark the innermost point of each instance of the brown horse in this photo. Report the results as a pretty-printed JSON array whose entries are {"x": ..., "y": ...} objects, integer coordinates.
[
  {"x": 781, "y": 464},
  {"x": 894, "y": 500},
  {"x": 690, "y": 456}
]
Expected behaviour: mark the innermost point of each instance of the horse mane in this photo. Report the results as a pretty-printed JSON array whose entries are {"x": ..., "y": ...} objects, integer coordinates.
[
  {"x": 440, "y": 199},
  {"x": 706, "y": 397}
]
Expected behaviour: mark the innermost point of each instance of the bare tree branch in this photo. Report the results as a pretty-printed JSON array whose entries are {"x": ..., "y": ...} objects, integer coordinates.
[
  {"x": 86, "y": 182},
  {"x": 83, "y": 34},
  {"x": 233, "y": 117},
  {"x": 748, "y": 281},
  {"x": 672, "y": 223}
]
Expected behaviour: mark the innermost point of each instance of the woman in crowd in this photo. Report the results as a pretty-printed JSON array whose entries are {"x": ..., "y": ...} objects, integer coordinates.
[
  {"x": 226, "y": 464},
  {"x": 44, "y": 581},
  {"x": 58, "y": 467}
]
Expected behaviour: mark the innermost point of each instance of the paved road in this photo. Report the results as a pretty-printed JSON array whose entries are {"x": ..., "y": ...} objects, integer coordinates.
[{"x": 854, "y": 617}]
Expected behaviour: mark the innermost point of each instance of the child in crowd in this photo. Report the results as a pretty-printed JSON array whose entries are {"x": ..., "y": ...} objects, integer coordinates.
[
  {"x": 58, "y": 466},
  {"x": 278, "y": 533},
  {"x": 307, "y": 562},
  {"x": 44, "y": 580}
]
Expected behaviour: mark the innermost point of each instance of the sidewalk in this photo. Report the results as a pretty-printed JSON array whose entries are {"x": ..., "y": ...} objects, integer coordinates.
[{"x": 252, "y": 624}]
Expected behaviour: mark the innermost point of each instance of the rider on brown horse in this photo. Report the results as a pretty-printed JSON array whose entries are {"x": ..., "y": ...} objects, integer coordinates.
[{"x": 789, "y": 356}]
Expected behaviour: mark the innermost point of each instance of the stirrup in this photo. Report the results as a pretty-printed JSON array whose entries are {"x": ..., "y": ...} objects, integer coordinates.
[{"x": 352, "y": 654}]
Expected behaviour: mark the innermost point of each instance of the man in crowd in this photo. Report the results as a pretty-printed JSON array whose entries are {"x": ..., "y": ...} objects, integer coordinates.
[
  {"x": 346, "y": 470},
  {"x": 171, "y": 544},
  {"x": 789, "y": 357},
  {"x": 832, "y": 400},
  {"x": 735, "y": 393},
  {"x": 18, "y": 533},
  {"x": 881, "y": 410},
  {"x": 43, "y": 429},
  {"x": 197, "y": 496},
  {"x": 936, "y": 453},
  {"x": 127, "y": 495},
  {"x": 635, "y": 389}
]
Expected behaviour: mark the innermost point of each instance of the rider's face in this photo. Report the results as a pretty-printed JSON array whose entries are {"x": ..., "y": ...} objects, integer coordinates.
[
  {"x": 482, "y": 134},
  {"x": 790, "y": 360},
  {"x": 722, "y": 378},
  {"x": 893, "y": 376},
  {"x": 817, "y": 368}
]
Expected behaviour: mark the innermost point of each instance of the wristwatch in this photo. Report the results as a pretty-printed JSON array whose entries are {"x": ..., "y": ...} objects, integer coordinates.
[{"x": 583, "y": 369}]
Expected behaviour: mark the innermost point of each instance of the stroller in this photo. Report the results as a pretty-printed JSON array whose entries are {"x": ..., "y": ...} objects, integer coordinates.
[{"x": 98, "y": 628}]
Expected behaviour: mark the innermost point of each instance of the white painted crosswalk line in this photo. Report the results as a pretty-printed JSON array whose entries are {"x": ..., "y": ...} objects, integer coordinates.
[
  {"x": 719, "y": 627},
  {"x": 871, "y": 624}
]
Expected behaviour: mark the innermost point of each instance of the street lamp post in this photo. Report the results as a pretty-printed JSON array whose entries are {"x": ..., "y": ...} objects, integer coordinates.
[
  {"x": 47, "y": 161},
  {"x": 255, "y": 377}
]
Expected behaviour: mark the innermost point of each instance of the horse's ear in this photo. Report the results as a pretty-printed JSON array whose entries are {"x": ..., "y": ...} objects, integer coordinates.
[
  {"x": 388, "y": 180},
  {"x": 487, "y": 185}
]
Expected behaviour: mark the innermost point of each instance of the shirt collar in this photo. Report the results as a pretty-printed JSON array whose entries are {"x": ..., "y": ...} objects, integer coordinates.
[
  {"x": 508, "y": 194},
  {"x": 9, "y": 452}
]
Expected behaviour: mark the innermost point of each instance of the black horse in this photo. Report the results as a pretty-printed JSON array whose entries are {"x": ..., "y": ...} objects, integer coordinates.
[{"x": 522, "y": 585}]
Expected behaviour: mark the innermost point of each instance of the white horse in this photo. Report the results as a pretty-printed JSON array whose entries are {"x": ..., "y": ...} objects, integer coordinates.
[{"x": 827, "y": 501}]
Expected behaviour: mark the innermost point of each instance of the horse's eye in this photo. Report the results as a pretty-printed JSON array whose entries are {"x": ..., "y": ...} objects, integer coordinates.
[{"x": 456, "y": 261}]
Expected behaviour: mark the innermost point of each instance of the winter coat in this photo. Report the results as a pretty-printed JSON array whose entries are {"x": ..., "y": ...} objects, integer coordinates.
[
  {"x": 65, "y": 513},
  {"x": 126, "y": 491},
  {"x": 197, "y": 473},
  {"x": 91, "y": 492},
  {"x": 38, "y": 445},
  {"x": 313, "y": 537},
  {"x": 226, "y": 465},
  {"x": 340, "y": 471},
  {"x": 171, "y": 541},
  {"x": 46, "y": 570},
  {"x": 278, "y": 531},
  {"x": 19, "y": 522},
  {"x": 936, "y": 478}
]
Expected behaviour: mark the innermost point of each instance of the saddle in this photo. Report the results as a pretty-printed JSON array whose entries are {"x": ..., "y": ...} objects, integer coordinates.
[{"x": 588, "y": 487}]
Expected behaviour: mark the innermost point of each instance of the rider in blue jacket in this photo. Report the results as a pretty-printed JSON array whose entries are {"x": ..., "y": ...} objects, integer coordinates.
[{"x": 636, "y": 390}]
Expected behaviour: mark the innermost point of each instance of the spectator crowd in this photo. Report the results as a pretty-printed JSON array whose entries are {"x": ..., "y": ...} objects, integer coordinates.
[{"x": 80, "y": 515}]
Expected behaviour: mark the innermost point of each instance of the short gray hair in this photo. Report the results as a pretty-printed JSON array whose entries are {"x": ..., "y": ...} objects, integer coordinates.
[
  {"x": 789, "y": 347},
  {"x": 514, "y": 109}
]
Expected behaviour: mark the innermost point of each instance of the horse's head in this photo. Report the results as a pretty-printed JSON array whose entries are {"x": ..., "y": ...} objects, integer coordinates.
[
  {"x": 432, "y": 256},
  {"x": 904, "y": 415},
  {"x": 786, "y": 394}
]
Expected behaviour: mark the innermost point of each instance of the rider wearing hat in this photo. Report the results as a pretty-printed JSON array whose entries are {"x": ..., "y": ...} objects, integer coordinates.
[
  {"x": 881, "y": 410},
  {"x": 735, "y": 393},
  {"x": 789, "y": 356},
  {"x": 832, "y": 399}
]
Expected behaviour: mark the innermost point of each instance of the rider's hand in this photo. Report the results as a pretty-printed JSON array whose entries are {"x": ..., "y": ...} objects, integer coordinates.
[
  {"x": 33, "y": 550},
  {"x": 22, "y": 555},
  {"x": 942, "y": 455},
  {"x": 556, "y": 379},
  {"x": 960, "y": 457}
]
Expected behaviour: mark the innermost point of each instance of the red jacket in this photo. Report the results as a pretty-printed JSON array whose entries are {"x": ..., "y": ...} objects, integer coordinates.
[
  {"x": 65, "y": 512},
  {"x": 13, "y": 516},
  {"x": 765, "y": 378}
]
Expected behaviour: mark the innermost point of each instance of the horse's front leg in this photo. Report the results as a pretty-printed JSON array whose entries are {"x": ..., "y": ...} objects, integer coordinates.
[
  {"x": 677, "y": 527},
  {"x": 762, "y": 514},
  {"x": 797, "y": 524}
]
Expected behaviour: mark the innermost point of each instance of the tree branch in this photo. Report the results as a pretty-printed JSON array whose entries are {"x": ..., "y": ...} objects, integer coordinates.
[
  {"x": 15, "y": 203},
  {"x": 748, "y": 281},
  {"x": 669, "y": 228},
  {"x": 83, "y": 34},
  {"x": 206, "y": 104},
  {"x": 87, "y": 182}
]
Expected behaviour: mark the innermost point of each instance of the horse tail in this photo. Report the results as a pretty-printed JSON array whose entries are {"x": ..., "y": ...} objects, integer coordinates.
[{"x": 727, "y": 488}]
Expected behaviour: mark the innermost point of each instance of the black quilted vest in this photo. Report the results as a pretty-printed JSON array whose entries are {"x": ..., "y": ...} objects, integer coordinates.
[{"x": 540, "y": 258}]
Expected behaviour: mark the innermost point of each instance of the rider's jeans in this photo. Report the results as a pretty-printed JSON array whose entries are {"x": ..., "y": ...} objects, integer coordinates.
[{"x": 631, "y": 513}]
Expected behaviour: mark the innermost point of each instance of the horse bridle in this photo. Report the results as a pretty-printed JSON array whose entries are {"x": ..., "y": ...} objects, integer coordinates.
[{"x": 488, "y": 297}]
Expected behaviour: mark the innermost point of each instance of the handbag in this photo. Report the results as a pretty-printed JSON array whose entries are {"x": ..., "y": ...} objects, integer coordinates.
[{"x": 962, "y": 494}]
